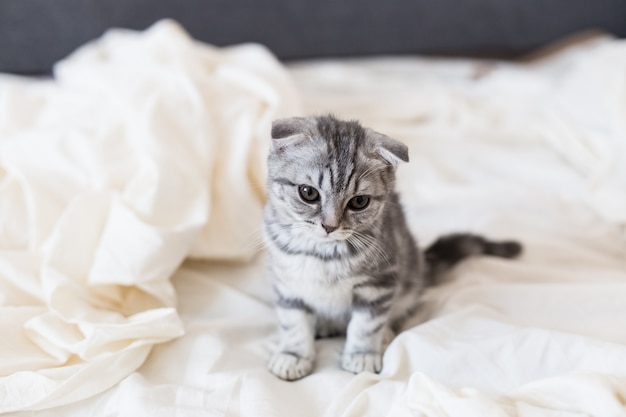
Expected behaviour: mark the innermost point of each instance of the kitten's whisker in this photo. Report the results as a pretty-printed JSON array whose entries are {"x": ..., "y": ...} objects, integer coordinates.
[
  {"x": 255, "y": 236},
  {"x": 372, "y": 243},
  {"x": 376, "y": 252},
  {"x": 256, "y": 245},
  {"x": 256, "y": 240}
]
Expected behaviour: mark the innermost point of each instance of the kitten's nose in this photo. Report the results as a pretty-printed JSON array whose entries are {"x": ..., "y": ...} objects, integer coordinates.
[{"x": 329, "y": 229}]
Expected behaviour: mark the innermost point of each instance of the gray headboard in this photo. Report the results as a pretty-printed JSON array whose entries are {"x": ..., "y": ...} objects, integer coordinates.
[{"x": 36, "y": 33}]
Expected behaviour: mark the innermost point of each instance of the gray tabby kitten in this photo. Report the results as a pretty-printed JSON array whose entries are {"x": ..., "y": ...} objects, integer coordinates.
[{"x": 340, "y": 254}]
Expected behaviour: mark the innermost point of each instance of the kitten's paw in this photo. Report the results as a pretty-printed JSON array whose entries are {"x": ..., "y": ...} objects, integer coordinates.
[
  {"x": 289, "y": 367},
  {"x": 362, "y": 362}
]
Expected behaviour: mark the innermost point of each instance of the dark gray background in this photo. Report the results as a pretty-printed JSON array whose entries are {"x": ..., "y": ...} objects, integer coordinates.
[{"x": 36, "y": 33}]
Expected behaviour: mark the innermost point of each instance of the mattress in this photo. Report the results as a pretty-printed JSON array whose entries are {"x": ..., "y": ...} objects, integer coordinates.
[{"x": 132, "y": 268}]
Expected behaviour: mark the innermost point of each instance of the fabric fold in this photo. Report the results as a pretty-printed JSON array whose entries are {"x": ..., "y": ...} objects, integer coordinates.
[{"x": 145, "y": 148}]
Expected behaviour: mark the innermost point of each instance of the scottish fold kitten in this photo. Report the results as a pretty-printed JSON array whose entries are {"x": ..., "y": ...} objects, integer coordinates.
[{"x": 340, "y": 255}]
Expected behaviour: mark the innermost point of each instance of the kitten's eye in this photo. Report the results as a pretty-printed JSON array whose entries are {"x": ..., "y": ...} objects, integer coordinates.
[
  {"x": 308, "y": 194},
  {"x": 359, "y": 202}
]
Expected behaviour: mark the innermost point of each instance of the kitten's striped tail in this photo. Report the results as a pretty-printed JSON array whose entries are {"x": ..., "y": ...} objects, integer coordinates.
[{"x": 449, "y": 250}]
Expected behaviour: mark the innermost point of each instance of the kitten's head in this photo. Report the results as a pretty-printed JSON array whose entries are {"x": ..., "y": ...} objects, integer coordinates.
[{"x": 330, "y": 178}]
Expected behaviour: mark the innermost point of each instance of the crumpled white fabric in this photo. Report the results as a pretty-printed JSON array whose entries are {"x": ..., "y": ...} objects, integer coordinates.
[
  {"x": 534, "y": 151},
  {"x": 584, "y": 120},
  {"x": 574, "y": 395},
  {"x": 144, "y": 149}
]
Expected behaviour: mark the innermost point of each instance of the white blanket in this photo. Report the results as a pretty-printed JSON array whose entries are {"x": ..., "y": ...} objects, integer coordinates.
[
  {"x": 535, "y": 152},
  {"x": 145, "y": 149}
]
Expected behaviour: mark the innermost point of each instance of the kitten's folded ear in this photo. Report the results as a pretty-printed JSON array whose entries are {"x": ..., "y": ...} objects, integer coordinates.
[
  {"x": 391, "y": 150},
  {"x": 291, "y": 130}
]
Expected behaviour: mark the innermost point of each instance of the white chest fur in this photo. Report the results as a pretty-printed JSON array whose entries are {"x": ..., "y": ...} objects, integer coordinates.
[{"x": 326, "y": 286}]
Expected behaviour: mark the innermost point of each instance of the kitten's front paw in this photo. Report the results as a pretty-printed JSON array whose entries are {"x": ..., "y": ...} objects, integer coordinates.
[
  {"x": 361, "y": 362},
  {"x": 289, "y": 367}
]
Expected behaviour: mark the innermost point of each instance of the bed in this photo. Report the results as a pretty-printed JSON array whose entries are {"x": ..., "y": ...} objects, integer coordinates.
[{"x": 131, "y": 263}]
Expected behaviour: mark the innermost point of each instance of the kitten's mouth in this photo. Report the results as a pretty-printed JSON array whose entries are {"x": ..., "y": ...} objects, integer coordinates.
[
  {"x": 339, "y": 235},
  {"x": 322, "y": 236}
]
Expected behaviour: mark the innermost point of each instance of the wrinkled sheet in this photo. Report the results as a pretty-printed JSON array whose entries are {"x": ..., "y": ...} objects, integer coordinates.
[
  {"x": 533, "y": 151},
  {"x": 145, "y": 148}
]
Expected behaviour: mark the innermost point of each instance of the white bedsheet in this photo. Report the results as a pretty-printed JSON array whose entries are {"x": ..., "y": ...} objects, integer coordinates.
[
  {"x": 144, "y": 150},
  {"x": 534, "y": 151}
]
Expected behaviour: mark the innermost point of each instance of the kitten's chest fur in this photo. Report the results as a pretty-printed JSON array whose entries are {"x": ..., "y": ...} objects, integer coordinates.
[{"x": 325, "y": 286}]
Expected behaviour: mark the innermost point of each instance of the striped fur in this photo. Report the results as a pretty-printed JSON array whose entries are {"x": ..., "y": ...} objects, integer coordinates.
[{"x": 366, "y": 274}]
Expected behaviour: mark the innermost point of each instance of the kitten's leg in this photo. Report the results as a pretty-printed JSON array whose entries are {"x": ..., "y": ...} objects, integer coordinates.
[
  {"x": 296, "y": 352},
  {"x": 368, "y": 330}
]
